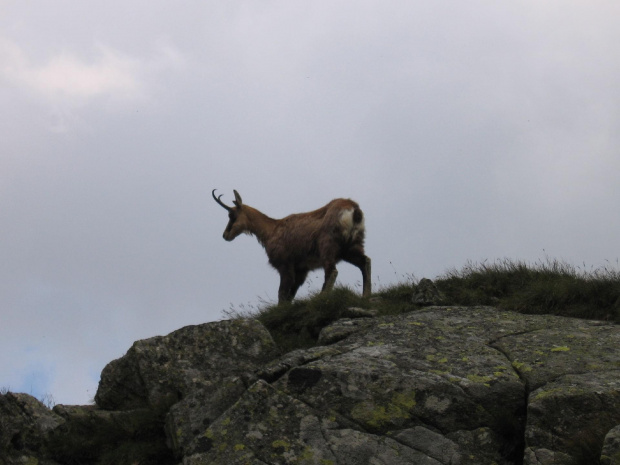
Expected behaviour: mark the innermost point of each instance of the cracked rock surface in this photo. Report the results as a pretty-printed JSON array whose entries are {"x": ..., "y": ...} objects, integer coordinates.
[
  {"x": 438, "y": 386},
  {"x": 445, "y": 385}
]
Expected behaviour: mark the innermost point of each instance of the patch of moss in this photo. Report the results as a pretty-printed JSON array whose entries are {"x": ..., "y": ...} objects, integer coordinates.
[
  {"x": 405, "y": 400},
  {"x": 378, "y": 417},
  {"x": 281, "y": 444},
  {"x": 560, "y": 349},
  {"x": 521, "y": 366},
  {"x": 480, "y": 379},
  {"x": 561, "y": 391}
]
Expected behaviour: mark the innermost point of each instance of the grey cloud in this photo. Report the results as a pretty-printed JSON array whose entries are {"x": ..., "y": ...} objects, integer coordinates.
[{"x": 471, "y": 132}]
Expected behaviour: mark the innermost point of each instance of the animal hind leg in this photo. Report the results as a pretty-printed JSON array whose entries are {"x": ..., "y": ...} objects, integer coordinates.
[
  {"x": 331, "y": 273},
  {"x": 366, "y": 276},
  {"x": 359, "y": 259}
]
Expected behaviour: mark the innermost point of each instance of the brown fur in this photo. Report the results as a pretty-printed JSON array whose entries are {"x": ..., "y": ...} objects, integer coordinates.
[{"x": 303, "y": 242}]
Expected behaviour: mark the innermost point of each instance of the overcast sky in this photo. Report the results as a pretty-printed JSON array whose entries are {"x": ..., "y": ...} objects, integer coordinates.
[{"x": 466, "y": 130}]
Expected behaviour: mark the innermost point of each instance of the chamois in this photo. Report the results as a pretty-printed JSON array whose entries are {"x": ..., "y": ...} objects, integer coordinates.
[{"x": 302, "y": 242}]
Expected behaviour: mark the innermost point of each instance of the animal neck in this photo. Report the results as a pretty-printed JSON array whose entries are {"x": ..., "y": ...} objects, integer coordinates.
[{"x": 260, "y": 224}]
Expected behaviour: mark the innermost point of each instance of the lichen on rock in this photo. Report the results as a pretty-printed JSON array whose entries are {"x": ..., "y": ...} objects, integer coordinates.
[{"x": 438, "y": 386}]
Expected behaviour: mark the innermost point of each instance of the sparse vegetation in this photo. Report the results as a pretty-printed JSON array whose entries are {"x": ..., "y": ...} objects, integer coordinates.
[
  {"x": 297, "y": 324},
  {"x": 549, "y": 287},
  {"x": 545, "y": 287},
  {"x": 48, "y": 400}
]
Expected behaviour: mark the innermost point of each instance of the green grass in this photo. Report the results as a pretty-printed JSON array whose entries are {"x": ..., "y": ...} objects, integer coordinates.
[
  {"x": 297, "y": 324},
  {"x": 549, "y": 287}
]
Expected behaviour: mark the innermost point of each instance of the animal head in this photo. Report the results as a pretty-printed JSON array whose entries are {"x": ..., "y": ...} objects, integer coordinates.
[{"x": 238, "y": 222}]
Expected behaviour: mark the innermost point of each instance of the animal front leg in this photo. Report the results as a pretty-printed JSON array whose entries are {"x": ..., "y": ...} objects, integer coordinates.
[
  {"x": 300, "y": 278},
  {"x": 287, "y": 281}
]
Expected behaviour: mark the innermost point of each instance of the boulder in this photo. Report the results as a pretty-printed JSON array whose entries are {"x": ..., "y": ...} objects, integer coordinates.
[
  {"x": 199, "y": 409},
  {"x": 25, "y": 426},
  {"x": 197, "y": 372},
  {"x": 165, "y": 369},
  {"x": 340, "y": 330},
  {"x": 571, "y": 369},
  {"x": 268, "y": 426},
  {"x": 611, "y": 447},
  {"x": 426, "y": 293}
]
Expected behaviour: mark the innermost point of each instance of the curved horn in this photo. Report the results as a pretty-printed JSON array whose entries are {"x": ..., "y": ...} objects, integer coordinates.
[{"x": 217, "y": 199}]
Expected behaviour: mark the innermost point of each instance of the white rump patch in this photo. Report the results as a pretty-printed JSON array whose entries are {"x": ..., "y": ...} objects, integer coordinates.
[{"x": 350, "y": 230}]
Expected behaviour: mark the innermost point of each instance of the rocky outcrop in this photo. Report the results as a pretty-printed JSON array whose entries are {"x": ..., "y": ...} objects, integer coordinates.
[
  {"x": 25, "y": 427},
  {"x": 611, "y": 448},
  {"x": 199, "y": 371},
  {"x": 439, "y": 386},
  {"x": 166, "y": 369}
]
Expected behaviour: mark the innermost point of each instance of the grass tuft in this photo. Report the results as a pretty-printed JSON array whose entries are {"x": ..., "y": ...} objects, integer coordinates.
[
  {"x": 549, "y": 287},
  {"x": 297, "y": 324},
  {"x": 546, "y": 287}
]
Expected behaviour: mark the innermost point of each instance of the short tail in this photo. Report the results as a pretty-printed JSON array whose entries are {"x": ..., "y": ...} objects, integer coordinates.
[
  {"x": 358, "y": 216},
  {"x": 352, "y": 222}
]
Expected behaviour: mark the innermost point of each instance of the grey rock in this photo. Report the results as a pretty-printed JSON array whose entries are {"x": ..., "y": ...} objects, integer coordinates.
[
  {"x": 267, "y": 426},
  {"x": 202, "y": 370},
  {"x": 277, "y": 368},
  {"x": 573, "y": 411},
  {"x": 457, "y": 371},
  {"x": 542, "y": 456},
  {"x": 433, "y": 369},
  {"x": 341, "y": 329},
  {"x": 572, "y": 370},
  {"x": 478, "y": 446},
  {"x": 198, "y": 410},
  {"x": 426, "y": 293},
  {"x": 433, "y": 444},
  {"x": 611, "y": 447},
  {"x": 550, "y": 347},
  {"x": 164, "y": 369},
  {"x": 25, "y": 427}
]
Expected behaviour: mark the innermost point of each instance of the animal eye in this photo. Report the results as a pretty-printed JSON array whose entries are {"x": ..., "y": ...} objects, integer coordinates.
[{"x": 231, "y": 216}]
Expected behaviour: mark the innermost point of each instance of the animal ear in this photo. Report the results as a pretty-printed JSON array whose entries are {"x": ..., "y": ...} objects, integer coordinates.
[{"x": 238, "y": 202}]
